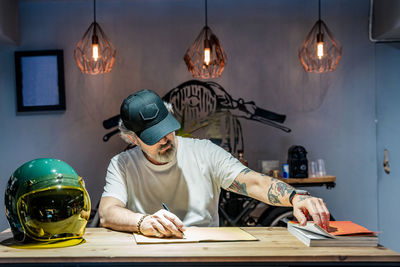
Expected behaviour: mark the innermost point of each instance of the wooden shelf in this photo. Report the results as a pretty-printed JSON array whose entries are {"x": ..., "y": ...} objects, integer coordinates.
[
  {"x": 310, "y": 180},
  {"x": 327, "y": 180}
]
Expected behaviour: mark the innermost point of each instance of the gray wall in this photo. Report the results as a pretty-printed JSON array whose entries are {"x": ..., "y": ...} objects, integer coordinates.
[{"x": 332, "y": 114}]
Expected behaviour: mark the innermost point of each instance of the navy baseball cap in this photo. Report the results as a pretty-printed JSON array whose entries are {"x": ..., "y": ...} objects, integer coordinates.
[{"x": 145, "y": 114}]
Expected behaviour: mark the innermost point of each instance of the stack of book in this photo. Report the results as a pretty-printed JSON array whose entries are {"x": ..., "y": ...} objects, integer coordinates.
[{"x": 340, "y": 233}]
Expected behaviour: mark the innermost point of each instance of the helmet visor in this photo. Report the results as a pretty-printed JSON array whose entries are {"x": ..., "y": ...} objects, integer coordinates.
[{"x": 55, "y": 213}]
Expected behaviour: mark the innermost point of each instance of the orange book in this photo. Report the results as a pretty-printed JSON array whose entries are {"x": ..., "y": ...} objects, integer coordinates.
[
  {"x": 336, "y": 228},
  {"x": 347, "y": 228}
]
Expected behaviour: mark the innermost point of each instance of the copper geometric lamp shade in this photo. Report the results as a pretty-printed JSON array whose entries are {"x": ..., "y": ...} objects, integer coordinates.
[
  {"x": 94, "y": 53},
  {"x": 320, "y": 51},
  {"x": 206, "y": 58}
]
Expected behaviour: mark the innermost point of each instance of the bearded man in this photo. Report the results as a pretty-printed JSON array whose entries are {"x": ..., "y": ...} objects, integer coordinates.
[{"x": 186, "y": 174}]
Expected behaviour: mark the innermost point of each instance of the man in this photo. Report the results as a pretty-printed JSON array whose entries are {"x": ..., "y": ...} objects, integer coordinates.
[{"x": 184, "y": 173}]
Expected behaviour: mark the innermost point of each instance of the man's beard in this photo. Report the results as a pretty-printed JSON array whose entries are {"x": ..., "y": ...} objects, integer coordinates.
[{"x": 165, "y": 155}]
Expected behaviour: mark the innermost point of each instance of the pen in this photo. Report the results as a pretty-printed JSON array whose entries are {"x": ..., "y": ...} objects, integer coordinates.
[{"x": 166, "y": 208}]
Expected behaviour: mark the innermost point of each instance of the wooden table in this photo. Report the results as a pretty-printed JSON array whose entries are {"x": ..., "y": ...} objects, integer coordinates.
[{"x": 276, "y": 246}]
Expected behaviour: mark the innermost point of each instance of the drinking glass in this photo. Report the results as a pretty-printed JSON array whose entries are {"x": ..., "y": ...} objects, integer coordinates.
[
  {"x": 321, "y": 167},
  {"x": 312, "y": 169}
]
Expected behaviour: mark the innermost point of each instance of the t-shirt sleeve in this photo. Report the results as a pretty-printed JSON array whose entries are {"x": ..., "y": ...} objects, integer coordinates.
[
  {"x": 116, "y": 180},
  {"x": 224, "y": 166}
]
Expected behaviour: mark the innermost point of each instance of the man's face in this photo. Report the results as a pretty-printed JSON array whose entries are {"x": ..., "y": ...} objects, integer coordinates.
[{"x": 162, "y": 152}]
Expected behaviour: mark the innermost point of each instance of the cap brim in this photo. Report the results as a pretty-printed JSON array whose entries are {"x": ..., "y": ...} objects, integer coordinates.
[{"x": 154, "y": 134}]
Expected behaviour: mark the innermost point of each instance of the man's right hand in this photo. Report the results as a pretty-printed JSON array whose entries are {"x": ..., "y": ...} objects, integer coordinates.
[{"x": 162, "y": 224}]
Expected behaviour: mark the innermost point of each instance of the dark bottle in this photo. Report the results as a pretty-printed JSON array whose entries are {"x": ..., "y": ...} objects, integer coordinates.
[{"x": 242, "y": 159}]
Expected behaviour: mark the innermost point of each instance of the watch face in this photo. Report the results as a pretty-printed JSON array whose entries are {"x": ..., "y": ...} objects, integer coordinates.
[{"x": 302, "y": 192}]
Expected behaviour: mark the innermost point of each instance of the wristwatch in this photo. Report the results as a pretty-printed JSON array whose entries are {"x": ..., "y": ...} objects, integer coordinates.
[{"x": 298, "y": 192}]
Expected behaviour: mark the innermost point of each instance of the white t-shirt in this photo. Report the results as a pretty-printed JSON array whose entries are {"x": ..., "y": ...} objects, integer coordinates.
[{"x": 190, "y": 185}]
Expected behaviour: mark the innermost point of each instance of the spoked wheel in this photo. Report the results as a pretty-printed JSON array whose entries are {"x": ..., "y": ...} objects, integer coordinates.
[{"x": 273, "y": 217}]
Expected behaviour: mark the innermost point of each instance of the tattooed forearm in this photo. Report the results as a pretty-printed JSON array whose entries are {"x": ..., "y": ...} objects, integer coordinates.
[
  {"x": 238, "y": 187},
  {"x": 262, "y": 187},
  {"x": 278, "y": 192}
]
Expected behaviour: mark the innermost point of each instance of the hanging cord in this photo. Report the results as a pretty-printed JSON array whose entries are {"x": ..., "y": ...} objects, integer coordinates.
[
  {"x": 95, "y": 39},
  {"x": 206, "y": 17},
  {"x": 319, "y": 9},
  {"x": 94, "y": 10},
  {"x": 206, "y": 12},
  {"x": 319, "y": 16}
]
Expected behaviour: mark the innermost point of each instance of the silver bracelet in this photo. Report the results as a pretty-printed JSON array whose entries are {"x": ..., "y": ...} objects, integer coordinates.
[{"x": 140, "y": 223}]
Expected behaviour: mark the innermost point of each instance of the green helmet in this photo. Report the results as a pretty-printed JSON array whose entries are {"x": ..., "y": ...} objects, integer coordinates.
[{"x": 46, "y": 200}]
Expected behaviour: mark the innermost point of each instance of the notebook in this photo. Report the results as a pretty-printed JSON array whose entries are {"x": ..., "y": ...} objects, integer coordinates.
[{"x": 201, "y": 234}]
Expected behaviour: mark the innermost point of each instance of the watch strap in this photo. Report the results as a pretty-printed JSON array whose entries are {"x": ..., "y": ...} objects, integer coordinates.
[{"x": 297, "y": 192}]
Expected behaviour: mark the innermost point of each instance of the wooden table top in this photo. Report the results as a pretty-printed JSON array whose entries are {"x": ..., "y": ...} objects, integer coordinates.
[{"x": 275, "y": 244}]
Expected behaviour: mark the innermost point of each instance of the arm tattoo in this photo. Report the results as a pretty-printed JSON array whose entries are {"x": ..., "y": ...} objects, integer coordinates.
[
  {"x": 238, "y": 188},
  {"x": 302, "y": 197},
  {"x": 278, "y": 191},
  {"x": 245, "y": 171}
]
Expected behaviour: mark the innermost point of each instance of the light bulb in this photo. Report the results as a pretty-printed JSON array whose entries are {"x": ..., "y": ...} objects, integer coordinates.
[
  {"x": 95, "y": 52},
  {"x": 95, "y": 46},
  {"x": 320, "y": 45},
  {"x": 320, "y": 49},
  {"x": 207, "y": 52},
  {"x": 207, "y": 55}
]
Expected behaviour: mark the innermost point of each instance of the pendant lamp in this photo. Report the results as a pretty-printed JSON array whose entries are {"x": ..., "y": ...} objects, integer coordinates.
[
  {"x": 206, "y": 58},
  {"x": 94, "y": 53},
  {"x": 320, "y": 51}
]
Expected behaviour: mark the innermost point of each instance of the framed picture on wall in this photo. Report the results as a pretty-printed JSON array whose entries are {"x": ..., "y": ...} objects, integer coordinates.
[{"x": 40, "y": 80}]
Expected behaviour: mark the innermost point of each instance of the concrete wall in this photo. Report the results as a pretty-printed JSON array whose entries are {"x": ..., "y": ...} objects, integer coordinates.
[{"x": 332, "y": 114}]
